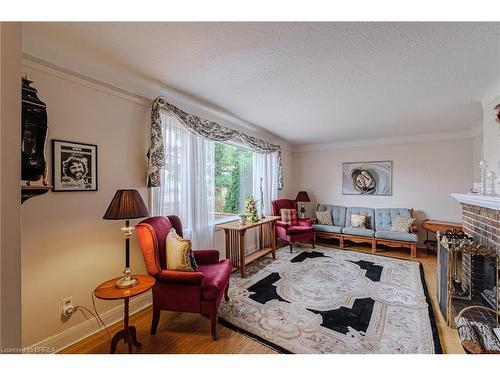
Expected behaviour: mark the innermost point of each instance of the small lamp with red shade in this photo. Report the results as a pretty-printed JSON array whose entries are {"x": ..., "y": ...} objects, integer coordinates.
[{"x": 302, "y": 197}]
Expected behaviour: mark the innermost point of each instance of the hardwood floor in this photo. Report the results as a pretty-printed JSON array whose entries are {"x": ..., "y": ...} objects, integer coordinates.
[{"x": 190, "y": 333}]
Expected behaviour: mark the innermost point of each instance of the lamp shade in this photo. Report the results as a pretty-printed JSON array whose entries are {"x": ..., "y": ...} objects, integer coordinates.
[
  {"x": 126, "y": 204},
  {"x": 302, "y": 197}
]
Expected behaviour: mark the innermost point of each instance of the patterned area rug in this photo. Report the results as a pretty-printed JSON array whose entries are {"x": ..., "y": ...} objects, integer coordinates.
[{"x": 327, "y": 300}]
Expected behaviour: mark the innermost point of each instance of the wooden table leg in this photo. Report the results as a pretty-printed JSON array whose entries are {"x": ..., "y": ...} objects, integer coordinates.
[
  {"x": 242, "y": 253},
  {"x": 228, "y": 244},
  {"x": 127, "y": 334},
  {"x": 273, "y": 238}
]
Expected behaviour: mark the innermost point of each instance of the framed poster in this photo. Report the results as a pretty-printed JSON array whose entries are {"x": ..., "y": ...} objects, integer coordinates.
[
  {"x": 367, "y": 178},
  {"x": 74, "y": 166}
]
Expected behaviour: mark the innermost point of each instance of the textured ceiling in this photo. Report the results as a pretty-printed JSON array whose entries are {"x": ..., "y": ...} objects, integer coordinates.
[{"x": 306, "y": 82}]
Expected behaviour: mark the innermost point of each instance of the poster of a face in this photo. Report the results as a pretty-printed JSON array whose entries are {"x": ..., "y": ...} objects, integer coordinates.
[
  {"x": 367, "y": 178},
  {"x": 74, "y": 166}
]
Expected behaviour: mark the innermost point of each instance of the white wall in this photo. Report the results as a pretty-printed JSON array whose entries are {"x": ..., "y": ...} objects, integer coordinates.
[
  {"x": 67, "y": 248},
  {"x": 10, "y": 193},
  {"x": 424, "y": 175},
  {"x": 491, "y": 137}
]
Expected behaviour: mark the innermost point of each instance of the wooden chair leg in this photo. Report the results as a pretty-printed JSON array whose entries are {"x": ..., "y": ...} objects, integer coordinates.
[
  {"x": 341, "y": 242},
  {"x": 291, "y": 247},
  {"x": 155, "y": 321},
  {"x": 226, "y": 293},
  {"x": 374, "y": 246},
  {"x": 314, "y": 242},
  {"x": 213, "y": 320}
]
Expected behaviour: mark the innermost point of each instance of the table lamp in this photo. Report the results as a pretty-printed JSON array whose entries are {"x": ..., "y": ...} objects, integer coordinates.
[
  {"x": 302, "y": 197},
  {"x": 125, "y": 205}
]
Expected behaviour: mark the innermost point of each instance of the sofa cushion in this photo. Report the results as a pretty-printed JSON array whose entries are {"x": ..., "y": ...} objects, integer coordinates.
[
  {"x": 358, "y": 231},
  {"x": 385, "y": 217},
  {"x": 291, "y": 230},
  {"x": 368, "y": 212},
  {"x": 324, "y": 217},
  {"x": 338, "y": 213},
  {"x": 327, "y": 228},
  {"x": 358, "y": 221},
  {"x": 402, "y": 224},
  {"x": 398, "y": 236}
]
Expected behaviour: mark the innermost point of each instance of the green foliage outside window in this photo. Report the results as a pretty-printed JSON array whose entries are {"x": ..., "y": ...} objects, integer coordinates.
[{"x": 233, "y": 178}]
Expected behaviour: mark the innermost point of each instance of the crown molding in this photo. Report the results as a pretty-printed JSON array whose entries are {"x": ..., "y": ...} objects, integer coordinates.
[
  {"x": 429, "y": 137},
  {"x": 176, "y": 97}
]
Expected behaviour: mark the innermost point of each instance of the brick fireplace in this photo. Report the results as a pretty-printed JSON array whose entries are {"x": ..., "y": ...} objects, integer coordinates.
[{"x": 481, "y": 221}]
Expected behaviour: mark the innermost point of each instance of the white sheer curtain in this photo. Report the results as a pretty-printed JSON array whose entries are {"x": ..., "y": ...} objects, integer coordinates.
[
  {"x": 264, "y": 166},
  {"x": 187, "y": 181}
]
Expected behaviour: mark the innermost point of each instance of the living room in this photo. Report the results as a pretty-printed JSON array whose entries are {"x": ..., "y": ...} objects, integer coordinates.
[{"x": 250, "y": 187}]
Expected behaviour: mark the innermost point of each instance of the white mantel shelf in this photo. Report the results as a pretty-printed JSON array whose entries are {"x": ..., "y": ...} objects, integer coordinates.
[{"x": 488, "y": 201}]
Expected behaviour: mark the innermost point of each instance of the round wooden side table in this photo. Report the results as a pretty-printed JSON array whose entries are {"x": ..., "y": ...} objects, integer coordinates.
[{"x": 109, "y": 291}]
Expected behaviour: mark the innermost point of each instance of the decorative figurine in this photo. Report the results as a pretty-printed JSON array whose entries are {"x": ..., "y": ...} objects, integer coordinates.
[{"x": 482, "y": 174}]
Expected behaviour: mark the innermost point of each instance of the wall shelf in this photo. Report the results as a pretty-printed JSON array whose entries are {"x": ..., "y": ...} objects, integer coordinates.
[{"x": 30, "y": 191}]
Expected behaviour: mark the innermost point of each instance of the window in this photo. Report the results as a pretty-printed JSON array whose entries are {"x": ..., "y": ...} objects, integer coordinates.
[{"x": 233, "y": 180}]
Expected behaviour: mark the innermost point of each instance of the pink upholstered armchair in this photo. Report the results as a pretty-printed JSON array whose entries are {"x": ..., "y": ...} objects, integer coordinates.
[
  {"x": 301, "y": 231},
  {"x": 196, "y": 292}
]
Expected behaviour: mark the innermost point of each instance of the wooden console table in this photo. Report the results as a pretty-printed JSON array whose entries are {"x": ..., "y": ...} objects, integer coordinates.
[
  {"x": 235, "y": 241},
  {"x": 435, "y": 226}
]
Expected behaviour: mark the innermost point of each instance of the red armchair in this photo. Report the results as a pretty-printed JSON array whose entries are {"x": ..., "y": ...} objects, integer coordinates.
[
  {"x": 196, "y": 292},
  {"x": 301, "y": 231}
]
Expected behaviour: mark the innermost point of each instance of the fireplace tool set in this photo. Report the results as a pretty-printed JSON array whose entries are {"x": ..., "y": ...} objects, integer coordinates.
[{"x": 477, "y": 335}]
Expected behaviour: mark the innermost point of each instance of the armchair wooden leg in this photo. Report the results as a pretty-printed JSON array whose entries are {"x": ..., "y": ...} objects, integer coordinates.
[
  {"x": 341, "y": 242},
  {"x": 213, "y": 319},
  {"x": 226, "y": 293},
  {"x": 156, "y": 320},
  {"x": 314, "y": 242},
  {"x": 291, "y": 247},
  {"x": 414, "y": 251},
  {"x": 374, "y": 246}
]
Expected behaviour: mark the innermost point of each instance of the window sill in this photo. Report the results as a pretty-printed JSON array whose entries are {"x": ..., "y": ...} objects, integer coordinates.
[{"x": 224, "y": 221}]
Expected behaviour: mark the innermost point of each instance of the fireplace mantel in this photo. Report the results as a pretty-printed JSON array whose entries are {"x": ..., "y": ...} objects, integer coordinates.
[{"x": 487, "y": 201}]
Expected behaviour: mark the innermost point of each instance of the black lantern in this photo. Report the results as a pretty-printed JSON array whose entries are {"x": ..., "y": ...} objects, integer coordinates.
[{"x": 33, "y": 134}]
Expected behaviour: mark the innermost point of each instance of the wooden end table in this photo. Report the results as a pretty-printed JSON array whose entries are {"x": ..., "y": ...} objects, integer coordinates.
[
  {"x": 435, "y": 226},
  {"x": 108, "y": 291},
  {"x": 235, "y": 241}
]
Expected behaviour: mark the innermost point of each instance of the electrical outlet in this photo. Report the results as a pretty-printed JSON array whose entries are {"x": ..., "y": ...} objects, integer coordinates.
[{"x": 67, "y": 306}]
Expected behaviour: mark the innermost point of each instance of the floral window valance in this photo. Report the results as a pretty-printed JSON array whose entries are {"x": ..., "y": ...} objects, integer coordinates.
[{"x": 207, "y": 129}]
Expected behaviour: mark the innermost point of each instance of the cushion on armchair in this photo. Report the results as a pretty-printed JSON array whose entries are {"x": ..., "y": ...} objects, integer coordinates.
[
  {"x": 179, "y": 253},
  {"x": 289, "y": 215}
]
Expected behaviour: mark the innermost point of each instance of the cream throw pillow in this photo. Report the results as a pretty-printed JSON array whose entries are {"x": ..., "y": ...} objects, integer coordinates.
[
  {"x": 324, "y": 217},
  {"x": 179, "y": 253},
  {"x": 358, "y": 221},
  {"x": 402, "y": 224}
]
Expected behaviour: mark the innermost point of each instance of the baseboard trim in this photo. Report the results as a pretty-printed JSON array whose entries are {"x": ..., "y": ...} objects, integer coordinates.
[{"x": 89, "y": 327}]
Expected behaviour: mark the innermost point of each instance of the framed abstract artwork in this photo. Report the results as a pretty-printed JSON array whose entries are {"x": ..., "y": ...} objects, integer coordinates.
[
  {"x": 367, "y": 178},
  {"x": 74, "y": 166}
]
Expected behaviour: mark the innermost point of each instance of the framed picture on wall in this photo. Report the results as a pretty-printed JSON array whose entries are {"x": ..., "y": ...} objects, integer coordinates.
[
  {"x": 367, "y": 178},
  {"x": 74, "y": 166}
]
